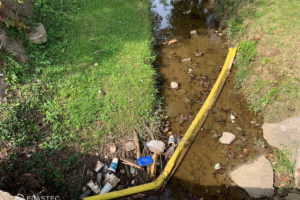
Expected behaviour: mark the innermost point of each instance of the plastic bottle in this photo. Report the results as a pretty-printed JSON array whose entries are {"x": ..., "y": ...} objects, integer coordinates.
[
  {"x": 105, "y": 168},
  {"x": 86, "y": 193},
  {"x": 112, "y": 181},
  {"x": 113, "y": 165},
  {"x": 94, "y": 187},
  {"x": 171, "y": 141},
  {"x": 99, "y": 178},
  {"x": 98, "y": 166}
]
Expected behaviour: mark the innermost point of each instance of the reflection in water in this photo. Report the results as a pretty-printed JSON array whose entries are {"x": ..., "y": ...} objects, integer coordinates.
[{"x": 169, "y": 20}]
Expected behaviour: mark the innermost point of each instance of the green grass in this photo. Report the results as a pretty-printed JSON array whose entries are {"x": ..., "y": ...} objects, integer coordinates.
[
  {"x": 120, "y": 89},
  {"x": 73, "y": 92},
  {"x": 275, "y": 55},
  {"x": 61, "y": 105}
]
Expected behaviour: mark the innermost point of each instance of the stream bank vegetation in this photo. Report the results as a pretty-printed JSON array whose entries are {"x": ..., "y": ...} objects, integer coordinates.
[
  {"x": 265, "y": 33},
  {"x": 91, "y": 83}
]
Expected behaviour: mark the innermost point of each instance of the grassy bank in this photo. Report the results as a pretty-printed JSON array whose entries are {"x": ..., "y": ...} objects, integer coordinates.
[
  {"x": 92, "y": 78},
  {"x": 266, "y": 35}
]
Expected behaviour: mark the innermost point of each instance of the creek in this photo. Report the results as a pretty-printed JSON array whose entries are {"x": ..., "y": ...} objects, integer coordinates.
[{"x": 196, "y": 177}]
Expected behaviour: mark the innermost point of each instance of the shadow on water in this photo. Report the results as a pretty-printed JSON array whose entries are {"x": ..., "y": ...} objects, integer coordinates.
[{"x": 196, "y": 177}]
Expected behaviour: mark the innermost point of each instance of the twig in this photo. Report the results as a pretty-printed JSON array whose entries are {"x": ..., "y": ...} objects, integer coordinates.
[
  {"x": 1, "y": 41},
  {"x": 44, "y": 89},
  {"x": 128, "y": 96},
  {"x": 82, "y": 172},
  {"x": 136, "y": 141},
  {"x": 60, "y": 6},
  {"x": 148, "y": 129}
]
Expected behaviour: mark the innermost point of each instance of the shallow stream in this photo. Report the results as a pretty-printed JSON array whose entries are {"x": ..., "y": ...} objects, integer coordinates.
[{"x": 196, "y": 176}]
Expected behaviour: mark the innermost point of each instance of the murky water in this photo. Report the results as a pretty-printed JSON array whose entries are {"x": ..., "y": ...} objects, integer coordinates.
[{"x": 196, "y": 176}]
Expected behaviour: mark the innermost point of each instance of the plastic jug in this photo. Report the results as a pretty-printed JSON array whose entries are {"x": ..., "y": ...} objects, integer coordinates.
[{"x": 156, "y": 146}]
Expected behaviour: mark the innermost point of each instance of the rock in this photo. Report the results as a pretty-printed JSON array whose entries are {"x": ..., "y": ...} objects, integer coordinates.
[
  {"x": 194, "y": 34},
  {"x": 211, "y": 63},
  {"x": 214, "y": 134},
  {"x": 14, "y": 46},
  {"x": 255, "y": 178},
  {"x": 186, "y": 60},
  {"x": 181, "y": 91},
  {"x": 286, "y": 133},
  {"x": 292, "y": 196},
  {"x": 207, "y": 127},
  {"x": 186, "y": 100},
  {"x": 37, "y": 34},
  {"x": 227, "y": 138},
  {"x": 239, "y": 128},
  {"x": 174, "y": 85},
  {"x": 7, "y": 196},
  {"x": 24, "y": 9}
]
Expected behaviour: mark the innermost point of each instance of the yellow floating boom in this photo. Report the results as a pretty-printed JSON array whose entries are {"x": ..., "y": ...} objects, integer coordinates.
[{"x": 167, "y": 170}]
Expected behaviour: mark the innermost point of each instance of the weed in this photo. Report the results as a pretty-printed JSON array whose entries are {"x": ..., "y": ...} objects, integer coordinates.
[{"x": 281, "y": 160}]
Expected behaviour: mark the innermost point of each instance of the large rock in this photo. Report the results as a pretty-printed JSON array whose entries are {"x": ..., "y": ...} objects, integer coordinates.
[
  {"x": 286, "y": 133},
  {"x": 211, "y": 63},
  {"x": 255, "y": 178},
  {"x": 38, "y": 34},
  {"x": 7, "y": 196},
  {"x": 292, "y": 196},
  {"x": 13, "y": 46},
  {"x": 227, "y": 138}
]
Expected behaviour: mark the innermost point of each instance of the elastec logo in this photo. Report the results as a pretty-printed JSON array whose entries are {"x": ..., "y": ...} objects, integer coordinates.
[{"x": 39, "y": 197}]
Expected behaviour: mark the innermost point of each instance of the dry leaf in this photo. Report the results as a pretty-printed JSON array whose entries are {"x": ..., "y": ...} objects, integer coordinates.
[{"x": 95, "y": 52}]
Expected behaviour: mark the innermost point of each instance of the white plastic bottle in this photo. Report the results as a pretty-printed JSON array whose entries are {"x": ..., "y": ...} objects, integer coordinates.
[{"x": 113, "y": 165}]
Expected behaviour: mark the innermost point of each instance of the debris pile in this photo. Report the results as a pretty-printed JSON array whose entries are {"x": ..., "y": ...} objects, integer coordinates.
[{"x": 126, "y": 166}]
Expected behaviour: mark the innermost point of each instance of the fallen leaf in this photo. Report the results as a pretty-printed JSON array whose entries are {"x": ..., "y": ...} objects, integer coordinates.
[
  {"x": 271, "y": 155},
  {"x": 95, "y": 52},
  {"x": 285, "y": 179}
]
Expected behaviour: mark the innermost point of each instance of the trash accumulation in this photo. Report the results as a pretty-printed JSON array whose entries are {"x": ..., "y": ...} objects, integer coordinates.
[{"x": 125, "y": 166}]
